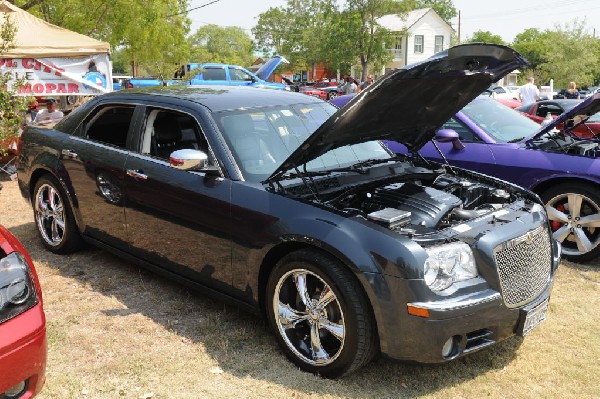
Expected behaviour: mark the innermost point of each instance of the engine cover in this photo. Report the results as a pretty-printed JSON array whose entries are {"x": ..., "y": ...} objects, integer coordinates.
[{"x": 427, "y": 206}]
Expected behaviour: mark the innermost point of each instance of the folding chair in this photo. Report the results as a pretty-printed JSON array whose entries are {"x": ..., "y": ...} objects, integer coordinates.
[{"x": 8, "y": 163}]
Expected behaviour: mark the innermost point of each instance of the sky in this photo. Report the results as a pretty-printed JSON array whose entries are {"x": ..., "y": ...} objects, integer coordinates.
[{"x": 506, "y": 18}]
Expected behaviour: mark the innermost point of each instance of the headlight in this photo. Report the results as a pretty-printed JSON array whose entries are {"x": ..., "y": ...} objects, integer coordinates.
[
  {"x": 287, "y": 88},
  {"x": 17, "y": 291},
  {"x": 447, "y": 264}
]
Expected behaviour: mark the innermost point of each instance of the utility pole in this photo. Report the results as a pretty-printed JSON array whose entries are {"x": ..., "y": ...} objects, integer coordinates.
[{"x": 458, "y": 26}]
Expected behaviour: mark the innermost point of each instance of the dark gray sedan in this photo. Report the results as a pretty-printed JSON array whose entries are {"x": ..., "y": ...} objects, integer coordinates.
[{"x": 282, "y": 204}]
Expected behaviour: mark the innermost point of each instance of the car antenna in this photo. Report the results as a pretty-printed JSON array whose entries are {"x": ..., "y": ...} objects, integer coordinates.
[{"x": 443, "y": 157}]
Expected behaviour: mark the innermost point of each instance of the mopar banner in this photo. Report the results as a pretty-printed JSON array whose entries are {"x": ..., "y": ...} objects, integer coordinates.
[{"x": 60, "y": 76}]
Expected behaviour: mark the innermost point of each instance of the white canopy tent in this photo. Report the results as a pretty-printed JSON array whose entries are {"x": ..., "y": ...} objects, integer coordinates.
[{"x": 54, "y": 61}]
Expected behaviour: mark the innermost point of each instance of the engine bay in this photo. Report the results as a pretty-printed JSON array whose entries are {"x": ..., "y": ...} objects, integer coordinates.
[{"x": 559, "y": 141}]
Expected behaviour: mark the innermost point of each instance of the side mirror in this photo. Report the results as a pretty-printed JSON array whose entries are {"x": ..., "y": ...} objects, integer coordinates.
[
  {"x": 449, "y": 136},
  {"x": 189, "y": 159}
]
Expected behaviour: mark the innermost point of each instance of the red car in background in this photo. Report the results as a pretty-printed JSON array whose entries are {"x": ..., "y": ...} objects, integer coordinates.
[
  {"x": 315, "y": 92},
  {"x": 539, "y": 110},
  {"x": 23, "y": 344}
]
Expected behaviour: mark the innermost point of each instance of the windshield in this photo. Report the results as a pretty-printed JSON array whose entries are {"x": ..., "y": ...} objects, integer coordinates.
[
  {"x": 502, "y": 123},
  {"x": 262, "y": 139}
]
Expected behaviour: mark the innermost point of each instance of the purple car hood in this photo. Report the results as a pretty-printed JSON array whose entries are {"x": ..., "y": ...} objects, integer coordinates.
[
  {"x": 410, "y": 104},
  {"x": 587, "y": 107},
  {"x": 269, "y": 66}
]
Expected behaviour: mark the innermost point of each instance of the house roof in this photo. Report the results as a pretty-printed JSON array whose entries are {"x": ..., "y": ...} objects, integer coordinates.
[
  {"x": 38, "y": 38},
  {"x": 395, "y": 23}
]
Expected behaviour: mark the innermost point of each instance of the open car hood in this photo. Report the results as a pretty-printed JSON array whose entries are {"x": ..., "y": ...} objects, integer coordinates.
[
  {"x": 410, "y": 104},
  {"x": 269, "y": 66},
  {"x": 571, "y": 118}
]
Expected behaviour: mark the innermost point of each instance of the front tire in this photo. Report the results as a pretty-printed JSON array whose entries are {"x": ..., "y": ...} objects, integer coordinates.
[
  {"x": 320, "y": 315},
  {"x": 54, "y": 218},
  {"x": 574, "y": 213}
]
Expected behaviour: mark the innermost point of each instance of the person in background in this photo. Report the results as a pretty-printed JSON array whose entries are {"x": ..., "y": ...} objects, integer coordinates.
[
  {"x": 572, "y": 92},
  {"x": 350, "y": 87},
  {"x": 366, "y": 83},
  {"x": 529, "y": 93},
  {"x": 49, "y": 115}
]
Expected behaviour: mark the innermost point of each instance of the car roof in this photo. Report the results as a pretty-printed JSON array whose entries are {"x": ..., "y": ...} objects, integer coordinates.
[{"x": 220, "y": 98}]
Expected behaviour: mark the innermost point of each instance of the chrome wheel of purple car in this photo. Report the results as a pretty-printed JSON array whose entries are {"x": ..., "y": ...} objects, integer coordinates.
[{"x": 574, "y": 215}]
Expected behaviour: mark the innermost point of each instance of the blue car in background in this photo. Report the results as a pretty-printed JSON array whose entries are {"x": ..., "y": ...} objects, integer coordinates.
[
  {"x": 235, "y": 75},
  {"x": 553, "y": 161},
  {"x": 217, "y": 74}
]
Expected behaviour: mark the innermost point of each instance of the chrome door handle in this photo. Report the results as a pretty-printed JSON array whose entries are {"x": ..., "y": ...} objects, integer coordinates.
[
  {"x": 136, "y": 174},
  {"x": 69, "y": 154}
]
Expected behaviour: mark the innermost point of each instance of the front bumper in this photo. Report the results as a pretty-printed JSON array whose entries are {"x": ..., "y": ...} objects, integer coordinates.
[
  {"x": 473, "y": 321},
  {"x": 23, "y": 351}
]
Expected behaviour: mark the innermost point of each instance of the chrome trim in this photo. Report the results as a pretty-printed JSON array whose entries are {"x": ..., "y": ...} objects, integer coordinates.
[
  {"x": 460, "y": 302},
  {"x": 525, "y": 238}
]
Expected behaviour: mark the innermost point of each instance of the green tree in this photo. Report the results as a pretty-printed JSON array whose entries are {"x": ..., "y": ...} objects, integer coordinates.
[
  {"x": 12, "y": 107},
  {"x": 572, "y": 55},
  {"x": 299, "y": 31},
  {"x": 372, "y": 40},
  {"x": 229, "y": 45},
  {"x": 531, "y": 44},
  {"x": 445, "y": 8},
  {"x": 485, "y": 37},
  {"x": 149, "y": 33}
]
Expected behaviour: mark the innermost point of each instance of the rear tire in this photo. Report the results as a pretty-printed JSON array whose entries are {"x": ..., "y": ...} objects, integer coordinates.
[
  {"x": 574, "y": 212},
  {"x": 331, "y": 95},
  {"x": 54, "y": 218},
  {"x": 320, "y": 315}
]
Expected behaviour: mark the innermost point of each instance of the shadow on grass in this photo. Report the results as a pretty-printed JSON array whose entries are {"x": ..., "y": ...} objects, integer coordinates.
[{"x": 241, "y": 343}]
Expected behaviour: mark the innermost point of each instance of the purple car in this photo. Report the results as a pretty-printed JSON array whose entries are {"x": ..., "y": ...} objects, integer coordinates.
[{"x": 563, "y": 169}]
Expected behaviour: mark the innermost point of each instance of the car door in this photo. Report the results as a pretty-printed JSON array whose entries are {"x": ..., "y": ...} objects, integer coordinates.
[
  {"x": 240, "y": 77},
  {"x": 94, "y": 161},
  {"x": 177, "y": 220},
  {"x": 476, "y": 154}
]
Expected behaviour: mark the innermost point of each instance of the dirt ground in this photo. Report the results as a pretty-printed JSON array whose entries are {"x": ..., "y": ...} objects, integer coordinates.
[{"x": 118, "y": 331}]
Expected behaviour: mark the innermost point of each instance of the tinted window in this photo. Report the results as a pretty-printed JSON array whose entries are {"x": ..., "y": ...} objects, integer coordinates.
[
  {"x": 239, "y": 74},
  {"x": 464, "y": 132},
  {"x": 213, "y": 74},
  {"x": 553, "y": 109},
  {"x": 499, "y": 121},
  {"x": 109, "y": 125}
]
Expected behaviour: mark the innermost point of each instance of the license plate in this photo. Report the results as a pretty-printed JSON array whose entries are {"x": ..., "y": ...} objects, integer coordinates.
[{"x": 535, "y": 316}]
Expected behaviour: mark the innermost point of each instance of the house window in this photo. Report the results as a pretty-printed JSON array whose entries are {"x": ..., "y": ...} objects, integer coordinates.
[
  {"x": 397, "y": 49},
  {"x": 419, "y": 44},
  {"x": 398, "y": 45},
  {"x": 439, "y": 44}
]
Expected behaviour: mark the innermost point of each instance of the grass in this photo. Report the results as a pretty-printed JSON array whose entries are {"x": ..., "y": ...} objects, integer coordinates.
[{"x": 117, "y": 331}]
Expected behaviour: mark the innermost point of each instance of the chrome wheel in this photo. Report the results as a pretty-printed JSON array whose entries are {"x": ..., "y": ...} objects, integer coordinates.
[
  {"x": 50, "y": 215},
  {"x": 332, "y": 95},
  {"x": 309, "y": 317},
  {"x": 575, "y": 221}
]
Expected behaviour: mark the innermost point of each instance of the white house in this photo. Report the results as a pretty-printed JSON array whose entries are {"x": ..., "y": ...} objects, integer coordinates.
[{"x": 427, "y": 34}]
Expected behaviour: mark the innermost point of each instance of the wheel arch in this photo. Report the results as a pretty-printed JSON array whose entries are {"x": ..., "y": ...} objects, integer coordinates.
[
  {"x": 546, "y": 184},
  {"x": 37, "y": 174},
  {"x": 279, "y": 251}
]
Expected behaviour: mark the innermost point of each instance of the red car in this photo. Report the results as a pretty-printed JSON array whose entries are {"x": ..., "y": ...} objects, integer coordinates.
[
  {"x": 312, "y": 91},
  {"x": 23, "y": 344},
  {"x": 538, "y": 111}
]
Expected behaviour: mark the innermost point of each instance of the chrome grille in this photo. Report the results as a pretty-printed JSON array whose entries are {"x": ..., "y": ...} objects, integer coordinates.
[{"x": 524, "y": 265}]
